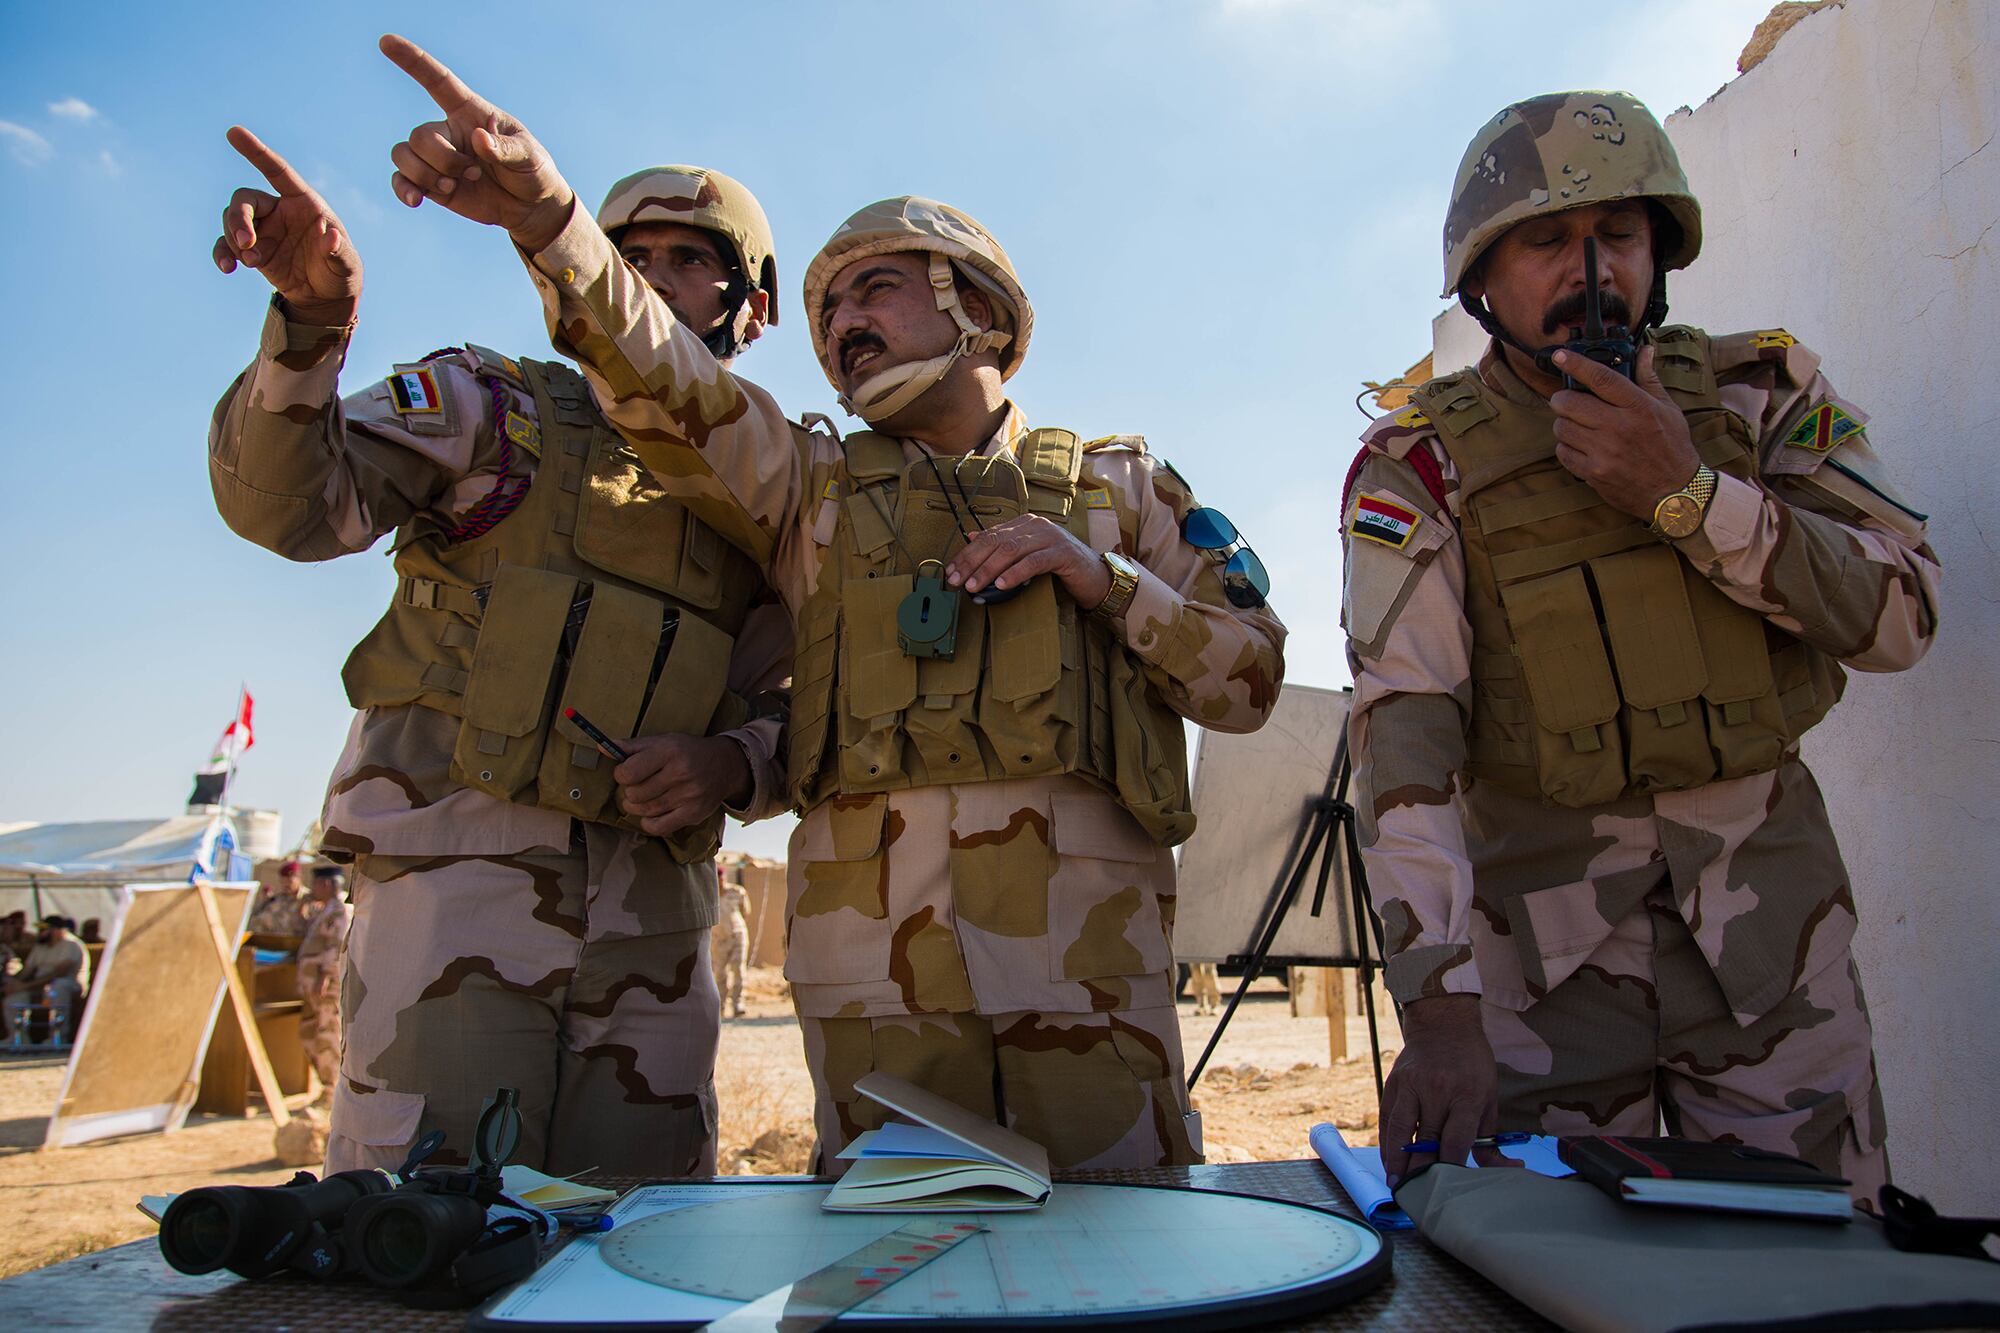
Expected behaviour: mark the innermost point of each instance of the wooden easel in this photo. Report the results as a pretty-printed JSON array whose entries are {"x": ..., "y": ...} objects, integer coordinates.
[{"x": 246, "y": 1018}]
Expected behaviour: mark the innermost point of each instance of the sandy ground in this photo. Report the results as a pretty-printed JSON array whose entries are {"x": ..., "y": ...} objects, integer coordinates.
[{"x": 1268, "y": 1083}]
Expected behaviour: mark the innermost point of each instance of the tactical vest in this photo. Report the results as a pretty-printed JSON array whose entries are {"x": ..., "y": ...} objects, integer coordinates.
[
  {"x": 1604, "y": 665},
  {"x": 1034, "y": 687},
  {"x": 599, "y": 593}
]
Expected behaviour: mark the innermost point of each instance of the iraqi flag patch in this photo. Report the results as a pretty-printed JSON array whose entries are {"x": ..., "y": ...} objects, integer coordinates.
[
  {"x": 1823, "y": 427},
  {"x": 415, "y": 392},
  {"x": 1381, "y": 519}
]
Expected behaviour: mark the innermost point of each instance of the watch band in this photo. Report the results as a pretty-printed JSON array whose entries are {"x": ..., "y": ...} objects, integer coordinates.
[
  {"x": 1124, "y": 583},
  {"x": 1702, "y": 488}
]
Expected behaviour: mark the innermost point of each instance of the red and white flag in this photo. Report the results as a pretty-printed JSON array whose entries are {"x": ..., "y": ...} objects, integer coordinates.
[{"x": 211, "y": 780}]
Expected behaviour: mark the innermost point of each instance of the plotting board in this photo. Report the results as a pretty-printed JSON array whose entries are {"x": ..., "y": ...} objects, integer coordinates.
[
  {"x": 1093, "y": 1253},
  {"x": 1252, "y": 795}
]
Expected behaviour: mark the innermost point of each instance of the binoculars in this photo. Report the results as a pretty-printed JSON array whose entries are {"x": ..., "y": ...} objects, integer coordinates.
[{"x": 426, "y": 1236}]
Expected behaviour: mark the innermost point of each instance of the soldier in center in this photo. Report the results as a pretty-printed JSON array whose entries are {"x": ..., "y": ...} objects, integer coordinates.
[{"x": 1001, "y": 629}]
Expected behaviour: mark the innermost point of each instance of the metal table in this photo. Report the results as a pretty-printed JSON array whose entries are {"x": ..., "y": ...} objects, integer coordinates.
[{"x": 130, "y": 1286}]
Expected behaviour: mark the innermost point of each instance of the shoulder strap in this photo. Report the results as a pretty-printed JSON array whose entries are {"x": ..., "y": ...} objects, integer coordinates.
[
  {"x": 872, "y": 458},
  {"x": 1051, "y": 459}
]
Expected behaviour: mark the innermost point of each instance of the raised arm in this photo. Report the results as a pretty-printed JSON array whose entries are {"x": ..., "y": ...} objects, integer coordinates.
[{"x": 721, "y": 445}]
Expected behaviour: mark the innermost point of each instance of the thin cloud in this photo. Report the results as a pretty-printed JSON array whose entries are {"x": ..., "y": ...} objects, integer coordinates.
[
  {"x": 109, "y": 164},
  {"x": 27, "y": 147},
  {"x": 73, "y": 108}
]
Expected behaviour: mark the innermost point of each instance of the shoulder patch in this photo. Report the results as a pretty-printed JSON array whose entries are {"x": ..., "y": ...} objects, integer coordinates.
[
  {"x": 524, "y": 433},
  {"x": 1769, "y": 339},
  {"x": 1822, "y": 428},
  {"x": 1096, "y": 497},
  {"x": 1380, "y": 518},
  {"x": 413, "y": 391},
  {"x": 1411, "y": 417}
]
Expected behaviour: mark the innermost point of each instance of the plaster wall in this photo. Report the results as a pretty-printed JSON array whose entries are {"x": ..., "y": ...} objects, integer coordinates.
[{"x": 1851, "y": 194}]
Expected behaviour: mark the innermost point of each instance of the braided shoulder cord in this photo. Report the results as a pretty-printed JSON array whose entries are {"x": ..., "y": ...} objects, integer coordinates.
[{"x": 508, "y": 491}]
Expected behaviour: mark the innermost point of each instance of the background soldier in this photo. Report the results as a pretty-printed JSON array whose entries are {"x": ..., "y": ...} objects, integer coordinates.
[
  {"x": 735, "y": 931},
  {"x": 282, "y": 910},
  {"x": 320, "y": 956},
  {"x": 511, "y": 926},
  {"x": 1587, "y": 628},
  {"x": 982, "y": 887}
]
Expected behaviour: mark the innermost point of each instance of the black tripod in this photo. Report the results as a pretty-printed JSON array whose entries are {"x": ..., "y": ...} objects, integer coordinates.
[{"x": 1328, "y": 820}]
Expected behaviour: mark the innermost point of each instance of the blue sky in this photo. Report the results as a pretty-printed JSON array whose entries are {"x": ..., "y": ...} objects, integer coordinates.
[{"x": 1226, "y": 213}]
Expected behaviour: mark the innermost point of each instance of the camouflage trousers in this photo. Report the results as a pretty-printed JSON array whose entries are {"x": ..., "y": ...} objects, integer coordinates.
[
  {"x": 1097, "y": 1089},
  {"x": 552, "y": 974},
  {"x": 1642, "y": 1033},
  {"x": 319, "y": 1020},
  {"x": 730, "y": 960}
]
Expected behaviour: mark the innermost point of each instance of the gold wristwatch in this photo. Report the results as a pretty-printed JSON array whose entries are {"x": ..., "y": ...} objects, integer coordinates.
[
  {"x": 1679, "y": 515},
  {"x": 1124, "y": 582}
]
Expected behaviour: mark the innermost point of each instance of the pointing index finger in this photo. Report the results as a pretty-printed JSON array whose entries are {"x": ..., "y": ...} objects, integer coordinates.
[
  {"x": 445, "y": 87},
  {"x": 274, "y": 168}
]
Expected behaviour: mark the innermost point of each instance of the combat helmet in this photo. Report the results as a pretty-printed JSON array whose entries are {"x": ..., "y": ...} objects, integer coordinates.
[
  {"x": 698, "y": 197},
  {"x": 1562, "y": 151},
  {"x": 956, "y": 244}
]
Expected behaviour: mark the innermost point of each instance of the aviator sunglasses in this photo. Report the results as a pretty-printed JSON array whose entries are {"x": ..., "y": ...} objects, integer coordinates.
[{"x": 1244, "y": 580}]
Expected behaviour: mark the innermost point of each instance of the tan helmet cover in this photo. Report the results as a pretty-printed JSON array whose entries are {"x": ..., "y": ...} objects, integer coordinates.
[
  {"x": 1561, "y": 151},
  {"x": 951, "y": 238},
  {"x": 698, "y": 197}
]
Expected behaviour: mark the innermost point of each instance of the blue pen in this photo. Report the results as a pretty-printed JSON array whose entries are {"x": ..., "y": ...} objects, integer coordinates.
[{"x": 1507, "y": 1140}]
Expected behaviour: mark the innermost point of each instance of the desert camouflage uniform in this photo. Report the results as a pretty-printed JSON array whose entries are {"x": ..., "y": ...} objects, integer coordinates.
[
  {"x": 1684, "y": 953},
  {"x": 279, "y": 912},
  {"x": 321, "y": 954},
  {"x": 735, "y": 955},
  {"x": 494, "y": 943},
  {"x": 955, "y": 934}
]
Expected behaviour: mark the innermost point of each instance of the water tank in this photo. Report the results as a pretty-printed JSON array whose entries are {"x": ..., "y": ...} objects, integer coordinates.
[{"x": 258, "y": 833}]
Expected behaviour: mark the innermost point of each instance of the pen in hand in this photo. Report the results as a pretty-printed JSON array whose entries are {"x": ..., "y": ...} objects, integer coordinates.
[
  {"x": 1506, "y": 1140},
  {"x": 609, "y": 748}
]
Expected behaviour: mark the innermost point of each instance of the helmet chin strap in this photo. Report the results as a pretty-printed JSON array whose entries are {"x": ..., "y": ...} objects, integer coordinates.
[{"x": 883, "y": 396}]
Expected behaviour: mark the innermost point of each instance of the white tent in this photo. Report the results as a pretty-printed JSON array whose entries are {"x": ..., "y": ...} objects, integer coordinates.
[{"x": 78, "y": 869}]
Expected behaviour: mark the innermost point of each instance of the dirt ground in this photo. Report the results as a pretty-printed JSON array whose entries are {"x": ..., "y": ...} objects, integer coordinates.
[{"x": 1267, "y": 1084}]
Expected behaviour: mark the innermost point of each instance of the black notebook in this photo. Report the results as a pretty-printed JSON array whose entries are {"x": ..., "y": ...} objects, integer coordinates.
[{"x": 1682, "y": 1173}]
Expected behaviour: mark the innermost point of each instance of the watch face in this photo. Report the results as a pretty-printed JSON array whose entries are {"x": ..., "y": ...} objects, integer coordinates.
[
  {"x": 1678, "y": 516},
  {"x": 1121, "y": 564}
]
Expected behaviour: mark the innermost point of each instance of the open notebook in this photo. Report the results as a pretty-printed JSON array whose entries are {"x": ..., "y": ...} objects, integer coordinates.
[{"x": 950, "y": 1160}]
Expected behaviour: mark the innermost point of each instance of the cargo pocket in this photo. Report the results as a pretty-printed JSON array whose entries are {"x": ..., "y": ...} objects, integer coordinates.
[
  {"x": 1579, "y": 758},
  {"x": 1746, "y": 725},
  {"x": 507, "y": 697},
  {"x": 1017, "y": 713},
  {"x": 629, "y": 524},
  {"x": 1579, "y": 755},
  {"x": 1658, "y": 654},
  {"x": 939, "y": 720},
  {"x": 382, "y": 1122},
  {"x": 812, "y": 696},
  {"x": 837, "y": 894},
  {"x": 1105, "y": 891},
  {"x": 606, "y": 684},
  {"x": 1148, "y": 754},
  {"x": 880, "y": 680}
]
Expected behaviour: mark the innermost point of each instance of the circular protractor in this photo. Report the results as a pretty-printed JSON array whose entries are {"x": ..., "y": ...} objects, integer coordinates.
[{"x": 1091, "y": 1251}]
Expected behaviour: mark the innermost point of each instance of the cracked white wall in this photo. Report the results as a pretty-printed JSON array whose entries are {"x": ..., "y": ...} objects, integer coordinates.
[{"x": 1850, "y": 192}]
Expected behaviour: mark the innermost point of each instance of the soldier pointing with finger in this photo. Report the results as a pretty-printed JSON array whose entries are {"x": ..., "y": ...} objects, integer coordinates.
[
  {"x": 523, "y": 915},
  {"x": 1589, "y": 618},
  {"x": 1000, "y": 630}
]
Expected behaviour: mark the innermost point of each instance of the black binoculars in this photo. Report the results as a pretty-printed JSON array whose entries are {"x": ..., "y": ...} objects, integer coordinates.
[{"x": 426, "y": 1236}]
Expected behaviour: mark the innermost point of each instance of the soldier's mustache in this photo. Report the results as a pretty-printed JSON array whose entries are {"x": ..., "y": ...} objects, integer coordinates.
[
  {"x": 1568, "y": 312},
  {"x": 859, "y": 343}
]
